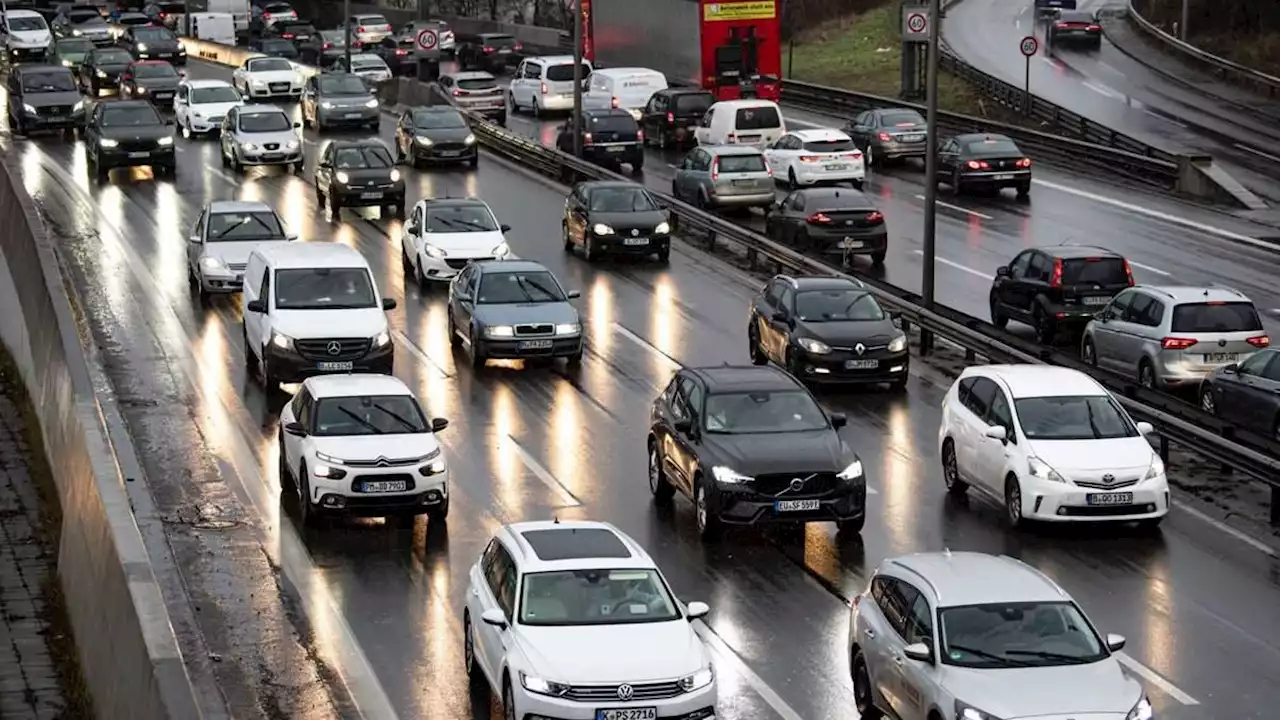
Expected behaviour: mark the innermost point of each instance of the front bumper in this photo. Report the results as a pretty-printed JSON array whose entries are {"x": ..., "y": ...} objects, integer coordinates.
[
  {"x": 21, "y": 54},
  {"x": 513, "y": 349},
  {"x": 370, "y": 197},
  {"x": 1047, "y": 501},
  {"x": 742, "y": 505},
  {"x": 697, "y": 705},
  {"x": 53, "y": 122},
  {"x": 445, "y": 153},
  {"x": 845, "y": 367},
  {"x": 221, "y": 281},
  {"x": 747, "y": 200},
  {"x": 345, "y": 496},
  {"x": 290, "y": 367},
  {"x": 157, "y": 157},
  {"x": 445, "y": 269},
  {"x": 361, "y": 115},
  {"x": 274, "y": 90},
  {"x": 177, "y": 57},
  {"x": 623, "y": 243},
  {"x": 270, "y": 157},
  {"x": 997, "y": 180},
  {"x": 204, "y": 124},
  {"x": 162, "y": 98}
]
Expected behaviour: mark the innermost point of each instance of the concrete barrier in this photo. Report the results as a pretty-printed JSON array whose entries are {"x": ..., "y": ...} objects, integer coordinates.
[{"x": 127, "y": 649}]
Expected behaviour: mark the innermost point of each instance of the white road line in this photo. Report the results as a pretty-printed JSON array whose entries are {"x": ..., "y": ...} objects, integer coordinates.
[
  {"x": 957, "y": 208},
  {"x": 726, "y": 653},
  {"x": 1162, "y": 118},
  {"x": 675, "y": 364},
  {"x": 418, "y": 352},
  {"x": 1100, "y": 89},
  {"x": 1242, "y": 537},
  {"x": 958, "y": 266},
  {"x": 1259, "y": 153},
  {"x": 544, "y": 475},
  {"x": 1018, "y": 23},
  {"x": 1150, "y": 269},
  {"x": 1156, "y": 679}
]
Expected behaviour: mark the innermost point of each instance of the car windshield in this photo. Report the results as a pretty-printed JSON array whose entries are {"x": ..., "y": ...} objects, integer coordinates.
[
  {"x": 53, "y": 81},
  {"x": 85, "y": 17},
  {"x": 763, "y": 412},
  {"x": 129, "y": 116},
  {"x": 343, "y": 85},
  {"x": 269, "y": 65},
  {"x": 596, "y": 597},
  {"x": 264, "y": 122},
  {"x": 368, "y": 415},
  {"x": 741, "y": 163},
  {"x": 992, "y": 147},
  {"x": 362, "y": 158},
  {"x": 324, "y": 289},
  {"x": 152, "y": 71},
  {"x": 838, "y": 305},
  {"x": 238, "y": 226},
  {"x": 621, "y": 200},
  {"x": 500, "y": 288},
  {"x": 1216, "y": 317},
  {"x": 477, "y": 84},
  {"x": 134, "y": 19},
  {"x": 564, "y": 73},
  {"x": 901, "y": 119},
  {"x": 438, "y": 120},
  {"x": 200, "y": 96},
  {"x": 693, "y": 103},
  {"x": 1017, "y": 635},
  {"x": 830, "y": 146},
  {"x": 151, "y": 35},
  {"x": 1073, "y": 417},
  {"x": 1094, "y": 271},
  {"x": 460, "y": 219},
  {"x": 27, "y": 24},
  {"x": 112, "y": 57},
  {"x": 74, "y": 46},
  {"x": 368, "y": 62}
]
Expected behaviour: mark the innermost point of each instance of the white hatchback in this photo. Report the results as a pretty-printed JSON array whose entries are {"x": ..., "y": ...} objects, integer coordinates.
[
  {"x": 200, "y": 105},
  {"x": 1052, "y": 444},
  {"x": 444, "y": 234},
  {"x": 809, "y": 157}
]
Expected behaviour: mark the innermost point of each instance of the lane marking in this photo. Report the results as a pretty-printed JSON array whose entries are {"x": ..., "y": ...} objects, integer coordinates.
[
  {"x": 544, "y": 475},
  {"x": 1150, "y": 269},
  {"x": 1156, "y": 679},
  {"x": 727, "y": 654},
  {"x": 1100, "y": 89},
  {"x": 957, "y": 266},
  {"x": 675, "y": 364},
  {"x": 949, "y": 206},
  {"x": 1233, "y": 532},
  {"x": 419, "y": 353},
  {"x": 1259, "y": 153},
  {"x": 1162, "y": 118}
]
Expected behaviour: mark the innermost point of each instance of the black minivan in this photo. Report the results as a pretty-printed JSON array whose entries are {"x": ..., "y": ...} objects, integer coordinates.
[{"x": 671, "y": 115}]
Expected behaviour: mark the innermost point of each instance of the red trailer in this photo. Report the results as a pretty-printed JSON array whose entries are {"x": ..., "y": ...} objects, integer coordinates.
[{"x": 733, "y": 49}]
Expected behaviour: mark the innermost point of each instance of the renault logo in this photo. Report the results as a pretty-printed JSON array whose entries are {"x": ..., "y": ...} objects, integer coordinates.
[
  {"x": 859, "y": 348},
  {"x": 1108, "y": 478},
  {"x": 625, "y": 692},
  {"x": 333, "y": 348}
]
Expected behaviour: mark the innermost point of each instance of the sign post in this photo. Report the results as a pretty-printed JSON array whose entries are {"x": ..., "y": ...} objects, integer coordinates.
[
  {"x": 1029, "y": 47},
  {"x": 916, "y": 21},
  {"x": 933, "y": 32}
]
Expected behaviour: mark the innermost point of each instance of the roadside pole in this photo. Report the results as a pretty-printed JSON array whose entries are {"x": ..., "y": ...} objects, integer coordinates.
[
  {"x": 1028, "y": 46},
  {"x": 346, "y": 24},
  {"x": 930, "y": 172},
  {"x": 577, "y": 79}
]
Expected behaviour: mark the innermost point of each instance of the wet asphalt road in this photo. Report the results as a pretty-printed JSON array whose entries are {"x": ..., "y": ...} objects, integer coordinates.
[{"x": 288, "y": 615}]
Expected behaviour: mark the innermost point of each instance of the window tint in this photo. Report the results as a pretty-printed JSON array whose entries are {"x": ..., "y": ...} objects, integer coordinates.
[
  {"x": 1137, "y": 308},
  {"x": 788, "y": 299},
  {"x": 1094, "y": 271},
  {"x": 830, "y": 146},
  {"x": 992, "y": 147},
  {"x": 980, "y": 397},
  {"x": 596, "y": 597},
  {"x": 264, "y": 122},
  {"x": 499, "y": 41},
  {"x": 1020, "y": 264},
  {"x": 965, "y": 390},
  {"x": 999, "y": 414},
  {"x": 896, "y": 600},
  {"x": 1077, "y": 417},
  {"x": 459, "y": 218},
  {"x": 741, "y": 163},
  {"x": 693, "y": 104},
  {"x": 901, "y": 119},
  {"x": 154, "y": 71},
  {"x": 611, "y": 123},
  {"x": 437, "y": 119},
  {"x": 74, "y": 46},
  {"x": 693, "y": 396},
  {"x": 1153, "y": 315},
  {"x": 838, "y": 306},
  {"x": 1017, "y": 635},
  {"x": 1216, "y": 317},
  {"x": 241, "y": 226},
  {"x": 130, "y": 116},
  {"x": 324, "y": 289},
  {"x": 477, "y": 84},
  {"x": 518, "y": 287},
  {"x": 214, "y": 95},
  {"x": 269, "y": 65},
  {"x": 112, "y": 57},
  {"x": 1040, "y": 266},
  {"x": 1256, "y": 364},
  {"x": 764, "y": 412},
  {"x": 1120, "y": 304},
  {"x": 564, "y": 73},
  {"x": 362, "y": 158},
  {"x": 50, "y": 81},
  {"x": 919, "y": 623},
  {"x": 78, "y": 17},
  {"x": 763, "y": 117},
  {"x": 369, "y": 415},
  {"x": 773, "y": 292},
  {"x": 1273, "y": 368},
  {"x": 340, "y": 85},
  {"x": 152, "y": 35},
  {"x": 26, "y": 24},
  {"x": 622, "y": 200}
]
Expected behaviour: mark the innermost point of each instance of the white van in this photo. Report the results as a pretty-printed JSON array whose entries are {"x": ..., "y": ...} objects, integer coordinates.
[
  {"x": 312, "y": 308},
  {"x": 545, "y": 83},
  {"x": 625, "y": 88},
  {"x": 25, "y": 36},
  {"x": 213, "y": 27},
  {"x": 741, "y": 122},
  {"x": 237, "y": 9}
]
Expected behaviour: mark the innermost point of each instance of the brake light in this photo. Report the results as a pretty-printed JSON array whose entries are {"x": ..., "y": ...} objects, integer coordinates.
[
  {"x": 487, "y": 49},
  {"x": 1260, "y": 341},
  {"x": 613, "y": 102},
  {"x": 327, "y": 46},
  {"x": 1062, "y": 25},
  {"x": 715, "y": 169},
  {"x": 164, "y": 15},
  {"x": 1024, "y": 163},
  {"x": 1056, "y": 279},
  {"x": 1095, "y": 28},
  {"x": 360, "y": 29},
  {"x": 885, "y": 137},
  {"x": 265, "y": 15},
  {"x": 977, "y": 165},
  {"x": 875, "y": 216},
  {"x": 586, "y": 138},
  {"x": 401, "y": 51},
  {"x": 731, "y": 138},
  {"x": 1173, "y": 343},
  {"x": 544, "y": 88},
  {"x": 855, "y": 155},
  {"x": 671, "y": 118},
  {"x": 286, "y": 36},
  {"x": 810, "y": 158},
  {"x": 1128, "y": 273},
  {"x": 639, "y": 135},
  {"x": 518, "y": 47},
  {"x": 817, "y": 219}
]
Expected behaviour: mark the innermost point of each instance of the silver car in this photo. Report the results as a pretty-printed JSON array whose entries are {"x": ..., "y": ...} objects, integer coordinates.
[
  {"x": 724, "y": 176},
  {"x": 339, "y": 100},
  {"x": 476, "y": 91},
  {"x": 515, "y": 310},
  {"x": 260, "y": 135},
  {"x": 1170, "y": 337},
  {"x": 971, "y": 636},
  {"x": 221, "y": 239}
]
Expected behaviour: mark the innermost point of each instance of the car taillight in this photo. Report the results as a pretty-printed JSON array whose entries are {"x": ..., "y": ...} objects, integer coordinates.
[
  {"x": 327, "y": 46},
  {"x": 487, "y": 49},
  {"x": 977, "y": 165},
  {"x": 671, "y": 118},
  {"x": 1095, "y": 28},
  {"x": 639, "y": 135},
  {"x": 885, "y": 137},
  {"x": 457, "y": 92},
  {"x": 518, "y": 47},
  {"x": 544, "y": 88},
  {"x": 360, "y": 29},
  {"x": 855, "y": 155},
  {"x": 1173, "y": 343},
  {"x": 1056, "y": 279},
  {"x": 1024, "y": 163},
  {"x": 1260, "y": 341},
  {"x": 875, "y": 216},
  {"x": 1062, "y": 25},
  {"x": 402, "y": 51},
  {"x": 1128, "y": 273},
  {"x": 715, "y": 169},
  {"x": 287, "y": 36},
  {"x": 613, "y": 102},
  {"x": 731, "y": 138},
  {"x": 817, "y": 219},
  {"x": 265, "y": 15},
  {"x": 164, "y": 15},
  {"x": 586, "y": 138},
  {"x": 810, "y": 158}
]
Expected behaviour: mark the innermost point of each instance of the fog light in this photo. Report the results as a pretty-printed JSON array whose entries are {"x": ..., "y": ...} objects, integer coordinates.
[
  {"x": 1150, "y": 507},
  {"x": 1062, "y": 511},
  {"x": 336, "y": 502},
  {"x": 433, "y": 496},
  {"x": 897, "y": 368}
]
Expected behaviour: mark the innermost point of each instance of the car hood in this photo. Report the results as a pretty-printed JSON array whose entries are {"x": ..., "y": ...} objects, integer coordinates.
[
  {"x": 644, "y": 221},
  {"x": 338, "y": 323},
  {"x": 516, "y": 314},
  {"x": 443, "y": 135},
  {"x": 236, "y": 252},
  {"x": 283, "y": 137},
  {"x": 654, "y": 652},
  {"x": 29, "y": 38},
  {"x": 160, "y": 45},
  {"x": 157, "y": 83},
  {"x": 113, "y": 68},
  {"x": 213, "y": 109},
  {"x": 1117, "y": 454},
  {"x": 270, "y": 76},
  {"x": 372, "y": 72},
  {"x": 372, "y": 447},
  {"x": 137, "y": 132},
  {"x": 347, "y": 101},
  {"x": 47, "y": 99},
  {"x": 1022, "y": 693},
  {"x": 766, "y": 453},
  {"x": 467, "y": 244},
  {"x": 92, "y": 29},
  {"x": 850, "y": 333}
]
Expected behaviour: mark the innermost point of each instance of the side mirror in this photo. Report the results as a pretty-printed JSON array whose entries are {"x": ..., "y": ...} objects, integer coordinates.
[
  {"x": 696, "y": 610},
  {"x": 194, "y": 239},
  {"x": 1231, "y": 369},
  {"x": 297, "y": 125},
  {"x": 505, "y": 228},
  {"x": 1002, "y": 271},
  {"x": 995, "y": 432},
  {"x": 573, "y": 294},
  {"x": 1146, "y": 428},
  {"x": 290, "y": 238},
  {"x": 324, "y": 164},
  {"x": 388, "y": 303},
  {"x": 296, "y": 429},
  {"x": 780, "y": 316},
  {"x": 1116, "y": 643},
  {"x": 412, "y": 228},
  {"x": 919, "y": 652},
  {"x": 462, "y": 297},
  {"x": 256, "y": 306},
  {"x": 438, "y": 424},
  {"x": 684, "y": 426},
  {"x": 494, "y": 617},
  {"x": 839, "y": 420}
]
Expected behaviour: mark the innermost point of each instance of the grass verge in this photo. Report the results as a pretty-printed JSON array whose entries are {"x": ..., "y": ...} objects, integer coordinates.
[{"x": 60, "y": 638}]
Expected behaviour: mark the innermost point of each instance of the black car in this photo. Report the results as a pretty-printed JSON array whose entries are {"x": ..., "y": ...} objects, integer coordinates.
[
  {"x": 128, "y": 133},
  {"x": 830, "y": 221},
  {"x": 671, "y": 115},
  {"x": 1247, "y": 394},
  {"x": 299, "y": 31},
  {"x": 153, "y": 43},
  {"x": 1073, "y": 27},
  {"x": 152, "y": 80},
  {"x": 493, "y": 52},
  {"x": 43, "y": 97},
  {"x": 889, "y": 134},
  {"x": 827, "y": 330},
  {"x": 609, "y": 137},
  {"x": 750, "y": 446},
  {"x": 398, "y": 53},
  {"x": 435, "y": 133},
  {"x": 165, "y": 14},
  {"x": 606, "y": 217},
  {"x": 326, "y": 46},
  {"x": 989, "y": 162},
  {"x": 275, "y": 47},
  {"x": 101, "y": 70},
  {"x": 358, "y": 173},
  {"x": 1057, "y": 287}
]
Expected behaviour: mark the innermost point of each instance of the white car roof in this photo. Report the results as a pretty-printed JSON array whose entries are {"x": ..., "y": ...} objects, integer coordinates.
[
  {"x": 973, "y": 578},
  {"x": 545, "y": 546},
  {"x": 237, "y": 206},
  {"x": 557, "y": 60},
  {"x": 199, "y": 84},
  {"x": 327, "y": 386},
  {"x": 749, "y": 103},
  {"x": 261, "y": 110},
  {"x": 1028, "y": 381},
  {"x": 1192, "y": 294},
  {"x": 626, "y": 71},
  {"x": 820, "y": 135},
  {"x": 306, "y": 255},
  {"x": 22, "y": 14}
]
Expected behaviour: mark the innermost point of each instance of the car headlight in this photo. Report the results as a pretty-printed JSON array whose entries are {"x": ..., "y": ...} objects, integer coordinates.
[
  {"x": 543, "y": 687},
  {"x": 425, "y": 141},
  {"x": 967, "y": 712},
  {"x": 435, "y": 466},
  {"x": 326, "y": 105},
  {"x": 382, "y": 339},
  {"x": 77, "y": 33},
  {"x": 1141, "y": 711},
  {"x": 284, "y": 342},
  {"x": 293, "y": 145},
  {"x": 140, "y": 90},
  {"x": 395, "y": 176},
  {"x": 853, "y": 472},
  {"x": 816, "y": 347},
  {"x": 342, "y": 178},
  {"x": 212, "y": 264},
  {"x": 328, "y": 473},
  {"x": 501, "y": 250},
  {"x": 433, "y": 250},
  {"x": 142, "y": 47},
  {"x": 101, "y": 74},
  {"x": 500, "y": 331},
  {"x": 698, "y": 680},
  {"x": 257, "y": 83},
  {"x": 330, "y": 459},
  {"x": 372, "y": 103},
  {"x": 66, "y": 63},
  {"x": 165, "y": 141},
  {"x": 1156, "y": 469},
  {"x": 1040, "y": 470},
  {"x": 729, "y": 476},
  {"x": 469, "y": 140},
  {"x": 662, "y": 229},
  {"x": 898, "y": 344},
  {"x": 569, "y": 329},
  {"x": 78, "y": 106},
  {"x": 108, "y": 143},
  {"x": 249, "y": 146},
  {"x": 601, "y": 229},
  {"x": 182, "y": 48},
  {"x": 31, "y": 110}
]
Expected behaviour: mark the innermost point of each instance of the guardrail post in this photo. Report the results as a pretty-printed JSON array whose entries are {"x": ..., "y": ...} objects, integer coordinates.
[
  {"x": 753, "y": 259},
  {"x": 970, "y": 356},
  {"x": 711, "y": 240},
  {"x": 1164, "y": 450},
  {"x": 1275, "y": 504}
]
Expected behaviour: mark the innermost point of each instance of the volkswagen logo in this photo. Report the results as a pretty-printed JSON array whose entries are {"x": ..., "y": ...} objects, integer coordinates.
[
  {"x": 1108, "y": 478},
  {"x": 1222, "y": 343},
  {"x": 796, "y": 484},
  {"x": 333, "y": 348},
  {"x": 859, "y": 348},
  {"x": 625, "y": 692},
  {"x": 634, "y": 233}
]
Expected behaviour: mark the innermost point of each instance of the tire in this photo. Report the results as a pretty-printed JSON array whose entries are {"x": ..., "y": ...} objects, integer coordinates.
[
  {"x": 753, "y": 346},
  {"x": 474, "y": 161},
  {"x": 306, "y": 512},
  {"x": 236, "y": 166},
  {"x": 298, "y": 167},
  {"x": 511, "y": 100},
  {"x": 951, "y": 469},
  {"x": 575, "y": 360},
  {"x": 222, "y": 155},
  {"x": 956, "y": 187},
  {"x": 475, "y": 675},
  {"x": 250, "y": 360},
  {"x": 589, "y": 253},
  {"x": 871, "y": 159},
  {"x": 1150, "y": 525},
  {"x": 791, "y": 180},
  {"x": 1046, "y": 328},
  {"x": 662, "y": 490},
  {"x": 1088, "y": 353},
  {"x": 637, "y": 165},
  {"x": 664, "y": 256},
  {"x": 877, "y": 258},
  {"x": 998, "y": 318},
  {"x": 187, "y": 134},
  {"x": 675, "y": 190},
  {"x": 564, "y": 237},
  {"x": 1207, "y": 401},
  {"x": 1013, "y": 503},
  {"x": 1024, "y": 190},
  {"x": 863, "y": 693},
  {"x": 1147, "y": 375},
  {"x": 709, "y": 525},
  {"x": 282, "y": 467},
  {"x": 478, "y": 358},
  {"x": 508, "y": 701},
  {"x": 454, "y": 340},
  {"x": 420, "y": 278},
  {"x": 269, "y": 381},
  {"x": 852, "y": 526},
  {"x": 438, "y": 514},
  {"x": 502, "y": 119}
]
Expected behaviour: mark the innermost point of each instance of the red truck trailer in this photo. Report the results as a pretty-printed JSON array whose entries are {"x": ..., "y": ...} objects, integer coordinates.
[{"x": 733, "y": 49}]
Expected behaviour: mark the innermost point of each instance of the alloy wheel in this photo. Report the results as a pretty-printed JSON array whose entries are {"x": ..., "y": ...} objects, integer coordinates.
[
  {"x": 1206, "y": 401},
  {"x": 655, "y": 469},
  {"x": 1013, "y": 503},
  {"x": 701, "y": 504}
]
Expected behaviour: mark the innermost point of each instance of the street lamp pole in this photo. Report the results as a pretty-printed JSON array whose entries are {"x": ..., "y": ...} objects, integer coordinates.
[
  {"x": 931, "y": 169},
  {"x": 577, "y": 79},
  {"x": 346, "y": 40}
]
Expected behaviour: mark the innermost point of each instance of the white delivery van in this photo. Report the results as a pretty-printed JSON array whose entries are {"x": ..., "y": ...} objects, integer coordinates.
[
  {"x": 25, "y": 36},
  {"x": 213, "y": 27},
  {"x": 237, "y": 9},
  {"x": 625, "y": 88},
  {"x": 741, "y": 122},
  {"x": 545, "y": 83}
]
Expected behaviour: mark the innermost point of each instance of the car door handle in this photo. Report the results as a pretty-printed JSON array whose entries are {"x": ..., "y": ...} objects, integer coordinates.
[
  {"x": 869, "y": 633},
  {"x": 897, "y": 660},
  {"x": 475, "y": 591}
]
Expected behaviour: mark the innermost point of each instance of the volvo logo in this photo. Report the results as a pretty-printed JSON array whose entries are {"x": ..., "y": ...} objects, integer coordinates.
[
  {"x": 796, "y": 484},
  {"x": 1108, "y": 478},
  {"x": 859, "y": 348},
  {"x": 625, "y": 692},
  {"x": 333, "y": 348}
]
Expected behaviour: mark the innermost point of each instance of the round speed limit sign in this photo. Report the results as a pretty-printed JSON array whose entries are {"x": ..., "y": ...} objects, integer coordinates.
[
  {"x": 917, "y": 23},
  {"x": 1029, "y": 45},
  {"x": 427, "y": 40}
]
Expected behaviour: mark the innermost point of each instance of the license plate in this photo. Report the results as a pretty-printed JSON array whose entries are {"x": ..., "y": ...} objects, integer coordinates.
[
  {"x": 450, "y": 153},
  {"x": 139, "y": 154},
  {"x": 536, "y": 344},
  {"x": 382, "y": 486},
  {"x": 351, "y": 116},
  {"x": 635, "y": 241},
  {"x": 1210, "y": 358},
  {"x": 1003, "y": 177},
  {"x": 628, "y": 714},
  {"x": 835, "y": 166},
  {"x": 1109, "y": 498},
  {"x": 796, "y": 505},
  {"x": 334, "y": 366},
  {"x": 851, "y": 244},
  {"x": 912, "y": 138},
  {"x": 371, "y": 196},
  {"x": 55, "y": 118},
  {"x": 861, "y": 364},
  {"x": 504, "y": 52},
  {"x": 616, "y": 148},
  {"x": 1103, "y": 300},
  {"x": 273, "y": 156},
  {"x": 744, "y": 183}
]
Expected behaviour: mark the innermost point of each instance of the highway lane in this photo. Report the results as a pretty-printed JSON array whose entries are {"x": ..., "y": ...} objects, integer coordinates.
[{"x": 513, "y": 429}]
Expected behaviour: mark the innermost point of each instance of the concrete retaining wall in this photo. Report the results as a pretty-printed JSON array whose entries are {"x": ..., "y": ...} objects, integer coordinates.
[{"x": 127, "y": 649}]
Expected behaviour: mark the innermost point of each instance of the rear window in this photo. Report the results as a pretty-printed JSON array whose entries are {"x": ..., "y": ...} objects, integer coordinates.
[
  {"x": 613, "y": 123},
  {"x": 693, "y": 104},
  {"x": 901, "y": 119},
  {"x": 992, "y": 147},
  {"x": 758, "y": 118},
  {"x": 1216, "y": 317},
  {"x": 278, "y": 8},
  {"x": 372, "y": 20},
  {"x": 741, "y": 163},
  {"x": 562, "y": 73},
  {"x": 477, "y": 84},
  {"x": 499, "y": 40},
  {"x": 81, "y": 16},
  {"x": 1075, "y": 16},
  {"x": 175, "y": 8},
  {"x": 828, "y": 146},
  {"x": 1094, "y": 271}
]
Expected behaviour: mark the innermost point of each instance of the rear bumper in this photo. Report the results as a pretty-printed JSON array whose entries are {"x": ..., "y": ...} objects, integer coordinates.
[
  {"x": 613, "y": 153},
  {"x": 1013, "y": 178},
  {"x": 893, "y": 150},
  {"x": 860, "y": 240},
  {"x": 758, "y": 199}
]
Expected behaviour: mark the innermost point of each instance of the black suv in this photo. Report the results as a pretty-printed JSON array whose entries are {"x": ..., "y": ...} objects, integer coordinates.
[
  {"x": 671, "y": 115},
  {"x": 494, "y": 52},
  {"x": 43, "y": 97},
  {"x": 827, "y": 330},
  {"x": 1057, "y": 287},
  {"x": 750, "y": 446},
  {"x": 609, "y": 137}
]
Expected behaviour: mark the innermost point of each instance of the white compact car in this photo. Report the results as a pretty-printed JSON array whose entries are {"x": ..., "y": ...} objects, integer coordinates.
[
  {"x": 444, "y": 234},
  {"x": 361, "y": 445},
  {"x": 260, "y": 135},
  {"x": 809, "y": 157},
  {"x": 25, "y": 35},
  {"x": 267, "y": 77},
  {"x": 199, "y": 106},
  {"x": 221, "y": 240},
  {"x": 546, "y": 599},
  {"x": 1052, "y": 444}
]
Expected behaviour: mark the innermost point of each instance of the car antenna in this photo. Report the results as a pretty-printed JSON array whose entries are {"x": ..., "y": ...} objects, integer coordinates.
[
  {"x": 947, "y": 552},
  {"x": 555, "y": 520}
]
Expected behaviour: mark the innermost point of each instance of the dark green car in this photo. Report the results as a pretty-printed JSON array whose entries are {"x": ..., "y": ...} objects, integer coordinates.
[{"x": 70, "y": 52}]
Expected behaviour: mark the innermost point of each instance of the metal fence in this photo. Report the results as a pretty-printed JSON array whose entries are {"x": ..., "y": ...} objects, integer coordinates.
[{"x": 1235, "y": 73}]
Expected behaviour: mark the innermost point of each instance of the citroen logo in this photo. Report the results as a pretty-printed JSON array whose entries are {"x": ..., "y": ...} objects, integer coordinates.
[
  {"x": 1108, "y": 478},
  {"x": 625, "y": 692},
  {"x": 382, "y": 462},
  {"x": 333, "y": 348},
  {"x": 859, "y": 348},
  {"x": 634, "y": 233}
]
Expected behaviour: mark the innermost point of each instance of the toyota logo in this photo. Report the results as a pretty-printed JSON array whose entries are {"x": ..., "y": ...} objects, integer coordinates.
[
  {"x": 859, "y": 348},
  {"x": 1222, "y": 343},
  {"x": 796, "y": 484},
  {"x": 625, "y": 692},
  {"x": 1108, "y": 478},
  {"x": 333, "y": 348}
]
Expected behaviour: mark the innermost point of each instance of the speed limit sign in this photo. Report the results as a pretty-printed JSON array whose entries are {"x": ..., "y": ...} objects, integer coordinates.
[
  {"x": 1029, "y": 45},
  {"x": 917, "y": 22},
  {"x": 427, "y": 40}
]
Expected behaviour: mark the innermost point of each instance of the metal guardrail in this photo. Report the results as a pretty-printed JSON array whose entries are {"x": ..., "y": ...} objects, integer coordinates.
[{"x": 1219, "y": 66}]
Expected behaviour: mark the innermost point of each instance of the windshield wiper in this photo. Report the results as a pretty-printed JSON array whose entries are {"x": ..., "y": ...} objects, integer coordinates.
[
  {"x": 361, "y": 420},
  {"x": 539, "y": 287},
  {"x": 1088, "y": 406},
  {"x": 989, "y": 655},
  {"x": 398, "y": 419},
  {"x": 527, "y": 295},
  {"x": 271, "y": 233},
  {"x": 1050, "y": 655}
]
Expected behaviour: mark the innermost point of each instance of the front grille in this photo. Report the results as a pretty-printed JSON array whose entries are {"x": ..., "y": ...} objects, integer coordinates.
[
  {"x": 449, "y": 147},
  {"x": 55, "y": 110},
  {"x": 814, "y": 484},
  {"x": 138, "y": 145},
  {"x": 639, "y": 691},
  {"x": 1107, "y": 510},
  {"x": 278, "y": 86},
  {"x": 535, "y": 329},
  {"x": 865, "y": 349},
  {"x": 391, "y": 477},
  {"x": 271, "y": 146},
  {"x": 385, "y": 462},
  {"x": 458, "y": 264},
  {"x": 348, "y": 348},
  {"x": 236, "y": 267},
  {"x": 1116, "y": 484}
]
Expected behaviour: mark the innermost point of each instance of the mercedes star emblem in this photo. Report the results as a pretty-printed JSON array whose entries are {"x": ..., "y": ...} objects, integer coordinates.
[
  {"x": 625, "y": 692},
  {"x": 333, "y": 348},
  {"x": 634, "y": 233},
  {"x": 1108, "y": 478},
  {"x": 859, "y": 348},
  {"x": 796, "y": 484}
]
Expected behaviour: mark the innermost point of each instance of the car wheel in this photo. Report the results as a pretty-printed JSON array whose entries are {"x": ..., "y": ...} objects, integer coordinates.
[
  {"x": 269, "y": 381},
  {"x": 236, "y": 165},
  {"x": 589, "y": 252},
  {"x": 565, "y": 238},
  {"x": 1207, "y": 402},
  {"x": 511, "y": 101},
  {"x": 951, "y": 469},
  {"x": 709, "y": 526},
  {"x": 1024, "y": 190},
  {"x": 1150, "y": 525},
  {"x": 998, "y": 318},
  {"x": 1013, "y": 502},
  {"x": 753, "y": 345},
  {"x": 298, "y": 167},
  {"x": 1046, "y": 328},
  {"x": 863, "y": 695},
  {"x": 250, "y": 360},
  {"x": 870, "y": 158},
  {"x": 438, "y": 514},
  {"x": 877, "y": 258},
  {"x": 664, "y": 256},
  {"x": 508, "y": 701},
  {"x": 1088, "y": 353},
  {"x": 282, "y": 468},
  {"x": 478, "y": 358},
  {"x": 454, "y": 339},
  {"x": 474, "y": 674},
  {"x": 420, "y": 278},
  {"x": 791, "y": 179},
  {"x": 1146, "y": 375},
  {"x": 956, "y": 187},
  {"x": 658, "y": 485},
  {"x": 306, "y": 512}
]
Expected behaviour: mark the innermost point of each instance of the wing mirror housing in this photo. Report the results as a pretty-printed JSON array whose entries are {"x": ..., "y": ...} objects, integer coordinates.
[
  {"x": 256, "y": 306},
  {"x": 684, "y": 426},
  {"x": 388, "y": 303},
  {"x": 438, "y": 424},
  {"x": 194, "y": 239},
  {"x": 412, "y": 228},
  {"x": 996, "y": 432},
  {"x": 573, "y": 294},
  {"x": 919, "y": 652},
  {"x": 1002, "y": 271},
  {"x": 297, "y": 125},
  {"x": 780, "y": 316},
  {"x": 839, "y": 420},
  {"x": 1146, "y": 428},
  {"x": 495, "y": 617},
  {"x": 696, "y": 610},
  {"x": 505, "y": 228},
  {"x": 1116, "y": 643},
  {"x": 1231, "y": 369},
  {"x": 296, "y": 429}
]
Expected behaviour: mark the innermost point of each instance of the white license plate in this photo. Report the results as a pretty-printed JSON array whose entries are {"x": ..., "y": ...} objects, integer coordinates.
[
  {"x": 796, "y": 505},
  {"x": 383, "y": 486},
  {"x": 1213, "y": 358},
  {"x": 351, "y": 116},
  {"x": 912, "y": 138},
  {"x": 861, "y": 364},
  {"x": 835, "y": 166},
  {"x": 55, "y": 118},
  {"x": 635, "y": 241},
  {"x": 1002, "y": 177},
  {"x": 450, "y": 153},
  {"x": 371, "y": 196},
  {"x": 744, "y": 183},
  {"x": 536, "y": 344},
  {"x": 1097, "y": 300},
  {"x": 851, "y": 244},
  {"x": 1109, "y": 498},
  {"x": 334, "y": 366},
  {"x": 628, "y": 714},
  {"x": 616, "y": 148},
  {"x": 139, "y": 154}
]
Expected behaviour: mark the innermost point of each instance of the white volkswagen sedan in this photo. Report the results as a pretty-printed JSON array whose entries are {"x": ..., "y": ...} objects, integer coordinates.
[
  {"x": 1052, "y": 444},
  {"x": 444, "y": 234},
  {"x": 200, "y": 105},
  {"x": 573, "y": 621},
  {"x": 809, "y": 157}
]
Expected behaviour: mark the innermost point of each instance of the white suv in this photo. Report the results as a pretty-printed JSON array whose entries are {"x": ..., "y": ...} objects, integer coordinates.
[
  {"x": 573, "y": 620},
  {"x": 1052, "y": 444},
  {"x": 444, "y": 234},
  {"x": 362, "y": 445}
]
